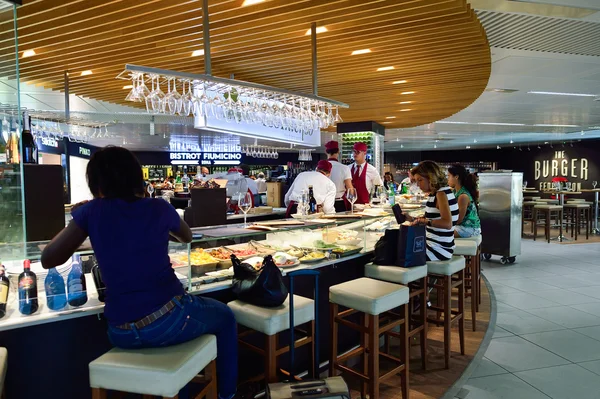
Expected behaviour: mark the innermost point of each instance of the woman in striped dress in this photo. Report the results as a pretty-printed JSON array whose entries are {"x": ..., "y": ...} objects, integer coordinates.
[{"x": 441, "y": 212}]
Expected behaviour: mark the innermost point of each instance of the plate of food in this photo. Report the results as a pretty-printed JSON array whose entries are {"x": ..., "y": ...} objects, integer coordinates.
[
  {"x": 296, "y": 253},
  {"x": 312, "y": 257},
  {"x": 285, "y": 260},
  {"x": 346, "y": 250},
  {"x": 222, "y": 255},
  {"x": 202, "y": 262}
]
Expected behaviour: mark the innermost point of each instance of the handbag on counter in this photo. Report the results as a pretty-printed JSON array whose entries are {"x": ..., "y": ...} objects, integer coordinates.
[
  {"x": 262, "y": 287},
  {"x": 404, "y": 247}
]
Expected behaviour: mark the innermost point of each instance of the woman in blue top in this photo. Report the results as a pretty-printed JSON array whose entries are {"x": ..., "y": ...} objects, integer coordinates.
[{"x": 130, "y": 236}]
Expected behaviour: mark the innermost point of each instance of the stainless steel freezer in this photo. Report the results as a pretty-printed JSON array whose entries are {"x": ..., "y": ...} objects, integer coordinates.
[{"x": 500, "y": 204}]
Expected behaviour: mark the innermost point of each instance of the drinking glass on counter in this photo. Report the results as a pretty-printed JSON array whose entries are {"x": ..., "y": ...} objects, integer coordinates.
[
  {"x": 351, "y": 197},
  {"x": 245, "y": 203},
  {"x": 594, "y": 184}
]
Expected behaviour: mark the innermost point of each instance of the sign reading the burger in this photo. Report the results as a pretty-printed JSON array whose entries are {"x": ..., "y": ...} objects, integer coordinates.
[{"x": 561, "y": 165}]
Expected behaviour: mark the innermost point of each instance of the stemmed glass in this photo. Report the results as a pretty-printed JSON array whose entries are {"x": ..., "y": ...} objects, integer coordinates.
[
  {"x": 245, "y": 203},
  {"x": 157, "y": 96},
  {"x": 351, "y": 197},
  {"x": 187, "y": 100},
  {"x": 524, "y": 184},
  {"x": 594, "y": 184}
]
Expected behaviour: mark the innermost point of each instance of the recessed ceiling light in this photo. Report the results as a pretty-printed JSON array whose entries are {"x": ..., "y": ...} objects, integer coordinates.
[
  {"x": 128, "y": 87},
  {"x": 468, "y": 147},
  {"x": 388, "y": 68},
  {"x": 364, "y": 51},
  {"x": 405, "y": 102},
  {"x": 320, "y": 29},
  {"x": 405, "y": 109},
  {"x": 390, "y": 117},
  {"x": 554, "y": 93},
  {"x": 197, "y": 53},
  {"x": 399, "y": 82},
  {"x": 386, "y": 123},
  {"x": 499, "y": 90},
  {"x": 86, "y": 73},
  {"x": 550, "y": 125},
  {"x": 407, "y": 92},
  {"x": 251, "y": 2},
  {"x": 501, "y": 124},
  {"x": 28, "y": 53}
]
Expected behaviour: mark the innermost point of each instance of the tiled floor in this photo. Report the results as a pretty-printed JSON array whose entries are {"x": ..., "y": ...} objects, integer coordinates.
[{"x": 547, "y": 338}]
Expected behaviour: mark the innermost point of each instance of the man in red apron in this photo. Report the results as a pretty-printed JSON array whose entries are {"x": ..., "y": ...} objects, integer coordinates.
[
  {"x": 364, "y": 175},
  {"x": 340, "y": 175}
]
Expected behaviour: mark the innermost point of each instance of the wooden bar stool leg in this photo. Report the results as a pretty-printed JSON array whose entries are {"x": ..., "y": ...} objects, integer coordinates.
[
  {"x": 423, "y": 315},
  {"x": 365, "y": 344},
  {"x": 333, "y": 311},
  {"x": 271, "y": 359},
  {"x": 98, "y": 393},
  {"x": 534, "y": 228},
  {"x": 447, "y": 295},
  {"x": 560, "y": 226},
  {"x": 461, "y": 311},
  {"x": 474, "y": 295},
  {"x": 548, "y": 223},
  {"x": 587, "y": 224},
  {"x": 373, "y": 357},
  {"x": 404, "y": 353}
]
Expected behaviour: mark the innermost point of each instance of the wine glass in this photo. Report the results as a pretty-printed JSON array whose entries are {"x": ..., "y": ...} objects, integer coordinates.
[
  {"x": 594, "y": 184},
  {"x": 351, "y": 197},
  {"x": 245, "y": 203},
  {"x": 524, "y": 184}
]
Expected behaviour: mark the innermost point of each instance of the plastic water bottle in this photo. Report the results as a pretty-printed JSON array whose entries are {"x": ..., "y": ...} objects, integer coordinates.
[
  {"x": 54, "y": 284},
  {"x": 77, "y": 292},
  {"x": 391, "y": 194}
]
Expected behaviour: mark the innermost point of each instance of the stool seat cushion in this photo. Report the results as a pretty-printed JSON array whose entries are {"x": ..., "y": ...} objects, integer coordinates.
[
  {"x": 464, "y": 246},
  {"x": 528, "y": 203},
  {"x": 577, "y": 205},
  {"x": 3, "y": 365},
  {"x": 550, "y": 207},
  {"x": 477, "y": 239},
  {"x": 446, "y": 267},
  {"x": 369, "y": 296},
  {"x": 155, "y": 371},
  {"x": 395, "y": 274},
  {"x": 576, "y": 200},
  {"x": 531, "y": 198},
  {"x": 271, "y": 321}
]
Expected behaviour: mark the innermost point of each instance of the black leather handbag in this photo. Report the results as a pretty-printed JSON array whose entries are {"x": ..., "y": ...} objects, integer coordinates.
[{"x": 262, "y": 287}]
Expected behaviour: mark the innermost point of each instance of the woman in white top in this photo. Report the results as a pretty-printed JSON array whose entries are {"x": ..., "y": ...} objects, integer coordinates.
[{"x": 441, "y": 212}]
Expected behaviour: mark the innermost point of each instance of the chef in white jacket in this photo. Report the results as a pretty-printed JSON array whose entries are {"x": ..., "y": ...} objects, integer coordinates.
[{"x": 324, "y": 189}]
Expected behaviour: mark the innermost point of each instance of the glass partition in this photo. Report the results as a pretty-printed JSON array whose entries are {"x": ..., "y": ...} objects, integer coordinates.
[{"x": 12, "y": 234}]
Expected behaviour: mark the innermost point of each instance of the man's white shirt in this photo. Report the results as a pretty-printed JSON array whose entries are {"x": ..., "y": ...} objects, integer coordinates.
[
  {"x": 339, "y": 173},
  {"x": 323, "y": 189}
]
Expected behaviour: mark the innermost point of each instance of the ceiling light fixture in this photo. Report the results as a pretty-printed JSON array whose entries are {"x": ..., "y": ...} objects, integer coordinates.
[
  {"x": 554, "y": 93},
  {"x": 251, "y": 2},
  {"x": 388, "y": 68},
  {"x": 398, "y": 82},
  {"x": 511, "y": 141},
  {"x": 128, "y": 87},
  {"x": 405, "y": 109},
  {"x": 407, "y": 92},
  {"x": 390, "y": 117},
  {"x": 453, "y": 122},
  {"x": 197, "y": 53},
  {"x": 364, "y": 51},
  {"x": 550, "y": 125},
  {"x": 405, "y": 102},
  {"x": 386, "y": 123},
  {"x": 498, "y": 147},
  {"x": 401, "y": 145},
  {"x": 582, "y": 133},
  {"x": 500, "y": 124},
  {"x": 320, "y": 29},
  {"x": 28, "y": 53},
  {"x": 468, "y": 147},
  {"x": 86, "y": 73}
]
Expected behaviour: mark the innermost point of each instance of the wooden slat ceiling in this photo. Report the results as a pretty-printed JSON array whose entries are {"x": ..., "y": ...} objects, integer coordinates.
[{"x": 437, "y": 46}]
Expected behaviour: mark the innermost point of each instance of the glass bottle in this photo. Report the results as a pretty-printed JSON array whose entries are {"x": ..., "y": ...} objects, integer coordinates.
[
  {"x": 30, "y": 150},
  {"x": 77, "y": 292},
  {"x": 54, "y": 285},
  {"x": 312, "y": 202},
  {"x": 4, "y": 289},
  {"x": 28, "y": 297}
]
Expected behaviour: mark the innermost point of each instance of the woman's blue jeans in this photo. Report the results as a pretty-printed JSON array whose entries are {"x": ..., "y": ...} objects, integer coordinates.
[{"x": 192, "y": 317}]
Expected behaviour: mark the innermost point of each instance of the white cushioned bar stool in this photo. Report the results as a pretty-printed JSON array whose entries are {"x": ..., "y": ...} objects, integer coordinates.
[
  {"x": 415, "y": 278},
  {"x": 445, "y": 271},
  {"x": 371, "y": 299},
  {"x": 271, "y": 322},
  {"x": 157, "y": 371},
  {"x": 470, "y": 250}
]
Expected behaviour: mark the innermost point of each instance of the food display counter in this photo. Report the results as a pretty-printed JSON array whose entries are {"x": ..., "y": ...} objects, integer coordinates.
[{"x": 337, "y": 247}]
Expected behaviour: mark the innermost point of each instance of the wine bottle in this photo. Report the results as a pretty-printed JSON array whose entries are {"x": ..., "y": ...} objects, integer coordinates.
[
  {"x": 76, "y": 287},
  {"x": 54, "y": 285},
  {"x": 100, "y": 286},
  {"x": 4, "y": 289},
  {"x": 28, "y": 296},
  {"x": 30, "y": 151},
  {"x": 312, "y": 202}
]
